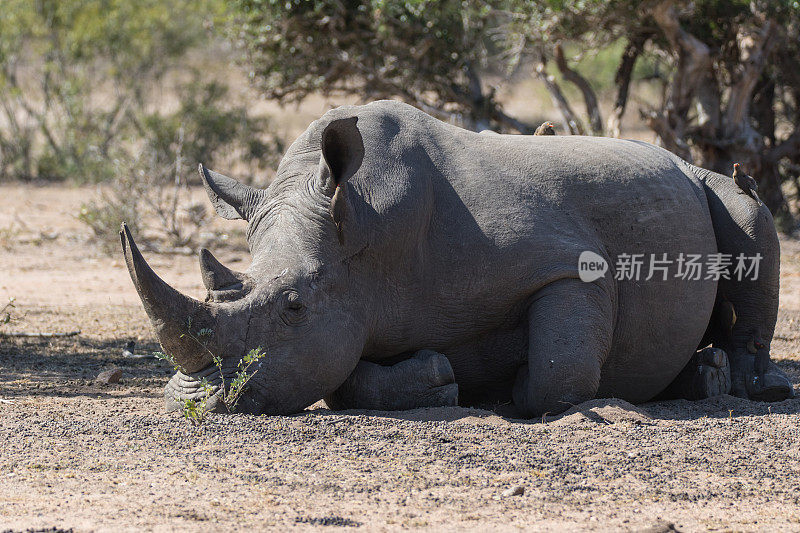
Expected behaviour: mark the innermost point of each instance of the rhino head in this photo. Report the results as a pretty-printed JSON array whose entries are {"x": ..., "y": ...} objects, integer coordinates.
[{"x": 297, "y": 301}]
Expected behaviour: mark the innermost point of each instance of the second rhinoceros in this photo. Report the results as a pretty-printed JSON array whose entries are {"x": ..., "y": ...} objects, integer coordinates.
[{"x": 399, "y": 262}]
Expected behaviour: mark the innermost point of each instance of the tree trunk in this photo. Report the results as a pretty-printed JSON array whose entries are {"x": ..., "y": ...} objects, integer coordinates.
[{"x": 693, "y": 122}]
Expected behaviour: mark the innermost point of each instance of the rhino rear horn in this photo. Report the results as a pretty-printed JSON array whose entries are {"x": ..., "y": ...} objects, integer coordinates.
[
  {"x": 231, "y": 200},
  {"x": 176, "y": 318},
  {"x": 217, "y": 276}
]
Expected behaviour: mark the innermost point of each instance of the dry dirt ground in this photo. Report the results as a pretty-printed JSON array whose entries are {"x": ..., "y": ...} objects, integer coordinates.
[{"x": 76, "y": 455}]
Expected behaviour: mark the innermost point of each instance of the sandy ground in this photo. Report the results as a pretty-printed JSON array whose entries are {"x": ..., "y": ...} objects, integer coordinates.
[{"x": 77, "y": 455}]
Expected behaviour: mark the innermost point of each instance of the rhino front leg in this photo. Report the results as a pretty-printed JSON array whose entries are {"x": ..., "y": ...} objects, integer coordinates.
[
  {"x": 424, "y": 380},
  {"x": 569, "y": 337}
]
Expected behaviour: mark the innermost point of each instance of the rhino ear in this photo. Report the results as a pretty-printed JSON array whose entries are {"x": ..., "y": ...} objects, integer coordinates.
[
  {"x": 342, "y": 153},
  {"x": 230, "y": 198}
]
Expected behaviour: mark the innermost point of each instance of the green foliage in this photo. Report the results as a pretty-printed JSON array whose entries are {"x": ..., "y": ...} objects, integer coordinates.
[
  {"x": 198, "y": 410},
  {"x": 209, "y": 127},
  {"x": 77, "y": 82},
  {"x": 117, "y": 204},
  {"x": 233, "y": 392},
  {"x": 424, "y": 51},
  {"x": 168, "y": 358},
  {"x": 73, "y": 74},
  {"x": 150, "y": 190},
  {"x": 406, "y": 48},
  {"x": 5, "y": 311}
]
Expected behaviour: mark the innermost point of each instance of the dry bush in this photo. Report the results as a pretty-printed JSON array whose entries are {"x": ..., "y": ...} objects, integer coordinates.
[{"x": 151, "y": 191}]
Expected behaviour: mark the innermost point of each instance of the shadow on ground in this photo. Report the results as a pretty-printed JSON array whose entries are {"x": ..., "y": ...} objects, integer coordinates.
[{"x": 66, "y": 367}]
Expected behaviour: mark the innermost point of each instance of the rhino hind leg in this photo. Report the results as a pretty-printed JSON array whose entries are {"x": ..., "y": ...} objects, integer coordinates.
[
  {"x": 743, "y": 227},
  {"x": 570, "y": 332},
  {"x": 424, "y": 380}
]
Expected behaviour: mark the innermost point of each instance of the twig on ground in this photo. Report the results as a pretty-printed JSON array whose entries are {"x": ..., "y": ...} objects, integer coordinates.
[{"x": 39, "y": 335}]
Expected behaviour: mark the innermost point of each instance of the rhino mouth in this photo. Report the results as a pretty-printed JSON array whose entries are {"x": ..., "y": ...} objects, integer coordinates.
[
  {"x": 190, "y": 387},
  {"x": 213, "y": 387}
]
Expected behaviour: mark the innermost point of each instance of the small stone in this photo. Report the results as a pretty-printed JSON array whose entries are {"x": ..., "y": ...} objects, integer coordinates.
[
  {"x": 129, "y": 349},
  {"x": 517, "y": 490},
  {"x": 109, "y": 376}
]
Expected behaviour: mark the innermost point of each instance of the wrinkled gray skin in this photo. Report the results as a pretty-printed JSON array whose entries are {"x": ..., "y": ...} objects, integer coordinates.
[{"x": 400, "y": 262}]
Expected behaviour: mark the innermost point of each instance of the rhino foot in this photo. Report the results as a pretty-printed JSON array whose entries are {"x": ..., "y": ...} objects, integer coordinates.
[
  {"x": 424, "y": 380},
  {"x": 708, "y": 374},
  {"x": 432, "y": 385},
  {"x": 773, "y": 386},
  {"x": 713, "y": 377}
]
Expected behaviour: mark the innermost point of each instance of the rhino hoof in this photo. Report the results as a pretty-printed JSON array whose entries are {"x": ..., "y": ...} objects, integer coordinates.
[
  {"x": 444, "y": 396},
  {"x": 424, "y": 380},
  {"x": 438, "y": 372},
  {"x": 774, "y": 386},
  {"x": 713, "y": 374}
]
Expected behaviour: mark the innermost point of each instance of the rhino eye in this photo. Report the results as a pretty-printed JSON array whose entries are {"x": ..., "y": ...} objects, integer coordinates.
[
  {"x": 294, "y": 311},
  {"x": 293, "y": 302}
]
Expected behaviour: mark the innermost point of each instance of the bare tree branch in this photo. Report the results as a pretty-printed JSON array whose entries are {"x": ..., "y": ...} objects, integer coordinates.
[
  {"x": 477, "y": 99},
  {"x": 571, "y": 120},
  {"x": 754, "y": 50},
  {"x": 709, "y": 105},
  {"x": 670, "y": 139},
  {"x": 40, "y": 118},
  {"x": 694, "y": 58},
  {"x": 788, "y": 148},
  {"x": 9, "y": 304},
  {"x": 623, "y": 81},
  {"x": 510, "y": 122},
  {"x": 589, "y": 96}
]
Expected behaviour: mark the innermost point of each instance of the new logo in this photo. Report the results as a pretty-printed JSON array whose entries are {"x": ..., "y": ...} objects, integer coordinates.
[{"x": 591, "y": 266}]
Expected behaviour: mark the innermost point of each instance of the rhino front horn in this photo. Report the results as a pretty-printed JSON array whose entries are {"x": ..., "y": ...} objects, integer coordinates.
[{"x": 176, "y": 318}]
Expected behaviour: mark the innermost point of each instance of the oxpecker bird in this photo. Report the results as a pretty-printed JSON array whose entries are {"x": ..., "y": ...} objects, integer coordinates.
[
  {"x": 757, "y": 347},
  {"x": 746, "y": 183},
  {"x": 545, "y": 129}
]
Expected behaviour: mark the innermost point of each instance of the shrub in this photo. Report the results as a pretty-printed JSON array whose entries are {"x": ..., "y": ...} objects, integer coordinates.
[{"x": 150, "y": 191}]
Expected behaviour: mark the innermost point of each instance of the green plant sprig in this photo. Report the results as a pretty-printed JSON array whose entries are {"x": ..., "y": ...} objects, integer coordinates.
[{"x": 197, "y": 411}]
